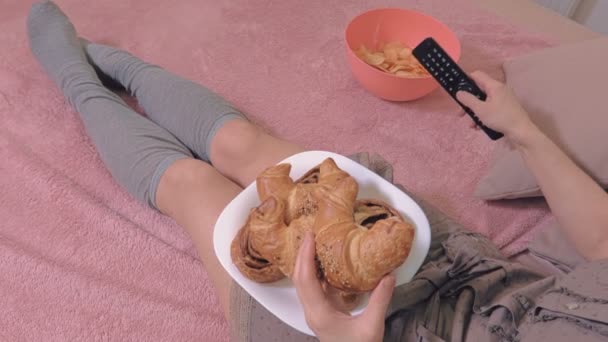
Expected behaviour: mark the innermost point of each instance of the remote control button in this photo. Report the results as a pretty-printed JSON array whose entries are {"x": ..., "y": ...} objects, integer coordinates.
[{"x": 464, "y": 86}]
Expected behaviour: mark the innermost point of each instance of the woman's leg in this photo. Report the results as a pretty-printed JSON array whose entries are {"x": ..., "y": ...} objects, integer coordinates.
[
  {"x": 194, "y": 194},
  {"x": 190, "y": 112},
  {"x": 135, "y": 150},
  {"x": 242, "y": 150},
  {"x": 142, "y": 156},
  {"x": 202, "y": 120}
]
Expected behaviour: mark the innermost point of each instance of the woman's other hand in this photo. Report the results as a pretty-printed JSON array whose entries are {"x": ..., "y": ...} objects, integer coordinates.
[{"x": 500, "y": 111}]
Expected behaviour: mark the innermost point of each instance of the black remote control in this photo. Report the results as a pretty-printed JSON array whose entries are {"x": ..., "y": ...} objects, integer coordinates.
[{"x": 451, "y": 77}]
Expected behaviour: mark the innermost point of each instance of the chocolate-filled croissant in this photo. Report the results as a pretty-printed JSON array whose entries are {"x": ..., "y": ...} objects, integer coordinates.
[
  {"x": 352, "y": 256},
  {"x": 276, "y": 228}
]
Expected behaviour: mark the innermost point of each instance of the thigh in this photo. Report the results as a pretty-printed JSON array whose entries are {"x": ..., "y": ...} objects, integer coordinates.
[
  {"x": 194, "y": 194},
  {"x": 241, "y": 150}
]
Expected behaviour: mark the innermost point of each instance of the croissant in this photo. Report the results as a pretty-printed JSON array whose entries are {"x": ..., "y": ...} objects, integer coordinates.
[
  {"x": 250, "y": 262},
  {"x": 353, "y": 257},
  {"x": 265, "y": 249}
]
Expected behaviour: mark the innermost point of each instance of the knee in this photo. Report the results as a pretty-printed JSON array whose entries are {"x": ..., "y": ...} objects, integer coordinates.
[
  {"x": 184, "y": 173},
  {"x": 178, "y": 181},
  {"x": 236, "y": 140}
]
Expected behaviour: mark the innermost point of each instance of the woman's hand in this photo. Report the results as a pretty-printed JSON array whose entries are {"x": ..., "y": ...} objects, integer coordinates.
[
  {"x": 500, "y": 111},
  {"x": 327, "y": 322}
]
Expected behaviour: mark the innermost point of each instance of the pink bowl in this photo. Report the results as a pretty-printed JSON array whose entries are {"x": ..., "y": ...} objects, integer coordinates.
[{"x": 395, "y": 25}]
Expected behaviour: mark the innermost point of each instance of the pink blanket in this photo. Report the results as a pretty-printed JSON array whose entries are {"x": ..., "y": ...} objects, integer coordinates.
[{"x": 81, "y": 260}]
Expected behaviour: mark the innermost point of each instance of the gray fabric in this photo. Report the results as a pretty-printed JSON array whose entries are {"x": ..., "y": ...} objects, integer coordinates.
[
  {"x": 135, "y": 149},
  {"x": 189, "y": 111},
  {"x": 549, "y": 240},
  {"x": 467, "y": 291},
  {"x": 478, "y": 295}
]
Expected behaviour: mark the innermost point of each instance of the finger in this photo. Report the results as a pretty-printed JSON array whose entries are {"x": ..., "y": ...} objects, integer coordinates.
[
  {"x": 484, "y": 81},
  {"x": 379, "y": 300},
  {"x": 469, "y": 100},
  {"x": 461, "y": 112},
  {"x": 305, "y": 278}
]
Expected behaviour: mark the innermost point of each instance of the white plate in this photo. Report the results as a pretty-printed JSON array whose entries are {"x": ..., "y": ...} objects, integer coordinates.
[{"x": 280, "y": 297}]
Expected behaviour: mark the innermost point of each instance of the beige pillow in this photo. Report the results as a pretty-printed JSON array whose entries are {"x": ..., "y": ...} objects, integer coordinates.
[{"x": 565, "y": 90}]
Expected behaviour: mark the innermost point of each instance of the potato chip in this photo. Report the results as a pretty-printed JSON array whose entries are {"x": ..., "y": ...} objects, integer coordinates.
[
  {"x": 405, "y": 53},
  {"x": 392, "y": 55},
  {"x": 375, "y": 59},
  {"x": 393, "y": 58},
  {"x": 403, "y": 73}
]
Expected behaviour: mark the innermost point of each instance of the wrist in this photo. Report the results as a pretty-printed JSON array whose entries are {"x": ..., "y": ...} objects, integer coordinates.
[{"x": 524, "y": 135}]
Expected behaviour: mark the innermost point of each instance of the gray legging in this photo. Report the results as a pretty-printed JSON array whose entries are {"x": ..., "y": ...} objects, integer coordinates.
[{"x": 183, "y": 116}]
